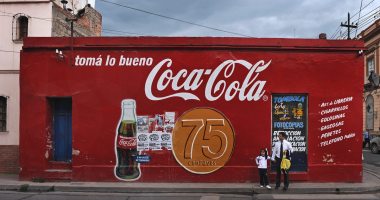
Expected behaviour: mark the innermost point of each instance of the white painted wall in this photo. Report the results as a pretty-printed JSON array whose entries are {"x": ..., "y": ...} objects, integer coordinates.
[
  {"x": 8, "y": 84},
  {"x": 40, "y": 24}
]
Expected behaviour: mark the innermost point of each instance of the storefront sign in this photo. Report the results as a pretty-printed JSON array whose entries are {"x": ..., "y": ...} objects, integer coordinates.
[{"x": 289, "y": 115}]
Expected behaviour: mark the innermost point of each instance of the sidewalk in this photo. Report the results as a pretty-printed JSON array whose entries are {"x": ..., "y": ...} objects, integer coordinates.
[{"x": 371, "y": 183}]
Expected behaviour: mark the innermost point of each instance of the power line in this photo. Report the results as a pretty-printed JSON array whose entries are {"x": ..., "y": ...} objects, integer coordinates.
[
  {"x": 175, "y": 19},
  {"x": 118, "y": 31},
  {"x": 6, "y": 14},
  {"x": 362, "y": 8},
  {"x": 366, "y": 21},
  {"x": 116, "y": 34},
  {"x": 13, "y": 14},
  {"x": 336, "y": 32},
  {"x": 369, "y": 19},
  {"x": 335, "y": 36},
  {"x": 357, "y": 23},
  {"x": 371, "y": 11}
]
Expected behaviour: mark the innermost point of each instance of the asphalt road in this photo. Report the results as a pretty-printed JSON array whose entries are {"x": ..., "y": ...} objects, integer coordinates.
[
  {"x": 6, "y": 195},
  {"x": 370, "y": 158}
]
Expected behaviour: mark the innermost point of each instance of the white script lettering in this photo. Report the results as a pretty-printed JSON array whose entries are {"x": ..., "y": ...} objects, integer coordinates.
[{"x": 216, "y": 85}]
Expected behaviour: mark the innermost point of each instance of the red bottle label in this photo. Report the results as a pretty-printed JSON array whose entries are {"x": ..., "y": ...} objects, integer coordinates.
[{"x": 126, "y": 142}]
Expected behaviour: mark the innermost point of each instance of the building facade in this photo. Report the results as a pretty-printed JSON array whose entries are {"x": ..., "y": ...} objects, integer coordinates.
[
  {"x": 20, "y": 19},
  {"x": 163, "y": 109},
  {"x": 371, "y": 105}
]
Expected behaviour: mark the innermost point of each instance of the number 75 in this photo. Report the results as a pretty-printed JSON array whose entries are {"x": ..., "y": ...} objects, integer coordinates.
[{"x": 207, "y": 135}]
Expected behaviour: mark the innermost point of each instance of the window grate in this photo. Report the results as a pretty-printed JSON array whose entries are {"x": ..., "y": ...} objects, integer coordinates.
[{"x": 3, "y": 114}]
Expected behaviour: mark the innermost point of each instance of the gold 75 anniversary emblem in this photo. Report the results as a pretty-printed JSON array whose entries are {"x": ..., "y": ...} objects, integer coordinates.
[{"x": 203, "y": 140}]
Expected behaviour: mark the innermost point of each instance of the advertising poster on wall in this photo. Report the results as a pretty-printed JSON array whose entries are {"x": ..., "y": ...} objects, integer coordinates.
[
  {"x": 289, "y": 115},
  {"x": 195, "y": 109},
  {"x": 142, "y": 133}
]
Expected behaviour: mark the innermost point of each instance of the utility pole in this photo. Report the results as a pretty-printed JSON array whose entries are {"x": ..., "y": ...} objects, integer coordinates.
[{"x": 348, "y": 25}]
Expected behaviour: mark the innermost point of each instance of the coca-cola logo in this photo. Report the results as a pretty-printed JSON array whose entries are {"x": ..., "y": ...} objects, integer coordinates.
[
  {"x": 184, "y": 83},
  {"x": 127, "y": 142}
]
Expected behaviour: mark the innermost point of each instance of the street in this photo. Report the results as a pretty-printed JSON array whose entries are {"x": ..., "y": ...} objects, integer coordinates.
[
  {"x": 6, "y": 195},
  {"x": 371, "y": 164},
  {"x": 117, "y": 196},
  {"x": 370, "y": 158}
]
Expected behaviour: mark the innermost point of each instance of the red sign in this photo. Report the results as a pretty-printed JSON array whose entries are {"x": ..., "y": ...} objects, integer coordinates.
[{"x": 311, "y": 89}]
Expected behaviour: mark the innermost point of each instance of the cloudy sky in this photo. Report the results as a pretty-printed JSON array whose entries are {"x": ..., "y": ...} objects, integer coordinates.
[{"x": 255, "y": 18}]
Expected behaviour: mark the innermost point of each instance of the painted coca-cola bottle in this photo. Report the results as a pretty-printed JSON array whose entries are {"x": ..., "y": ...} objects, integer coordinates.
[{"x": 126, "y": 167}]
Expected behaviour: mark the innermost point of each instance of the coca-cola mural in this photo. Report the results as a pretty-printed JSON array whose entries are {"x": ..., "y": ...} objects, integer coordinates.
[
  {"x": 154, "y": 109},
  {"x": 218, "y": 82}
]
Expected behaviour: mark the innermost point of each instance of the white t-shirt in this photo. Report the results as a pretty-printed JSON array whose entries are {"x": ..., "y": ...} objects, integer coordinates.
[{"x": 262, "y": 162}]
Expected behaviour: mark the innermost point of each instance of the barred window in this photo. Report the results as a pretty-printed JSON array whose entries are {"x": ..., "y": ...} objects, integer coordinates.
[
  {"x": 370, "y": 65},
  {"x": 3, "y": 114},
  {"x": 20, "y": 27}
]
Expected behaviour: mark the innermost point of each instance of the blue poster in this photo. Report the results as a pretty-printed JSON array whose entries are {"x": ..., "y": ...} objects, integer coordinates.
[{"x": 289, "y": 115}]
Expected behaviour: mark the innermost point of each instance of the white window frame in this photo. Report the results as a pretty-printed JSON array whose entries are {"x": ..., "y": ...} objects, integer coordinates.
[{"x": 369, "y": 70}]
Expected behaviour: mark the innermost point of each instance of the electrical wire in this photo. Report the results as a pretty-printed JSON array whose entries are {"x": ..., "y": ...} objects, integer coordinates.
[
  {"x": 172, "y": 18},
  {"x": 362, "y": 9},
  {"x": 13, "y": 14},
  {"x": 369, "y": 19},
  {"x": 357, "y": 23},
  {"x": 115, "y": 32},
  {"x": 335, "y": 34}
]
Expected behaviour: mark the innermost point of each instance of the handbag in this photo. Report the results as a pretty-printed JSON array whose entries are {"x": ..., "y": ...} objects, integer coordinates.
[{"x": 285, "y": 163}]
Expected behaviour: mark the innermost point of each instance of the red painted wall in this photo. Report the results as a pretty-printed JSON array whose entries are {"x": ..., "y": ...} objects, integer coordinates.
[{"x": 324, "y": 70}]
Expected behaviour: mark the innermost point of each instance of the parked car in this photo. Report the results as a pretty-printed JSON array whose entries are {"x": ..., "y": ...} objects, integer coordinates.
[{"x": 375, "y": 144}]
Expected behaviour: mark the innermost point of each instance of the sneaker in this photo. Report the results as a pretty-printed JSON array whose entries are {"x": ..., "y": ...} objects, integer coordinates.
[
  {"x": 261, "y": 186},
  {"x": 268, "y": 186}
]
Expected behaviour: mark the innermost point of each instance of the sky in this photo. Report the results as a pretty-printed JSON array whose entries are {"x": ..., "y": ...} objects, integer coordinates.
[{"x": 235, "y": 18}]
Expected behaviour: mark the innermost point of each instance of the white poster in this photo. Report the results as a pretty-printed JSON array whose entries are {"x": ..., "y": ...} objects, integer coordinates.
[{"x": 155, "y": 140}]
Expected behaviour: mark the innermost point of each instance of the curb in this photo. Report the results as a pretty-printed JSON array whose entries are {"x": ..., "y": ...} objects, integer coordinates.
[
  {"x": 217, "y": 190},
  {"x": 346, "y": 190},
  {"x": 244, "y": 191},
  {"x": 27, "y": 188}
]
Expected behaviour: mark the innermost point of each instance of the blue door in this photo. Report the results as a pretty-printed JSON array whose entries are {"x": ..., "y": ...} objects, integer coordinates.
[{"x": 61, "y": 108}]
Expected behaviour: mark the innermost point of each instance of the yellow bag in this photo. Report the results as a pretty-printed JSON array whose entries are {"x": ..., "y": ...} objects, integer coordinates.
[{"x": 285, "y": 162}]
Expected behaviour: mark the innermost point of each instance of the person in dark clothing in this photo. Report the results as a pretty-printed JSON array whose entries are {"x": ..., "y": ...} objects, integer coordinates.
[{"x": 281, "y": 148}]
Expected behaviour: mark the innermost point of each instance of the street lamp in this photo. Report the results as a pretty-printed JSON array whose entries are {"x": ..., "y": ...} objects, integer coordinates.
[{"x": 75, "y": 17}]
